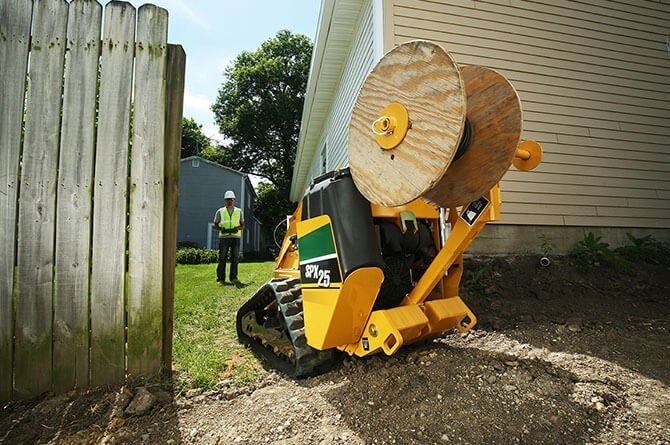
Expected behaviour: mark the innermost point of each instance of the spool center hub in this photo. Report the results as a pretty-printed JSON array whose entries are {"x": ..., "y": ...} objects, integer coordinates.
[{"x": 391, "y": 126}]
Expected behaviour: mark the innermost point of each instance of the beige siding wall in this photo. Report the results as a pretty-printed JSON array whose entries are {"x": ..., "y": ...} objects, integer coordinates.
[
  {"x": 358, "y": 65},
  {"x": 594, "y": 80}
]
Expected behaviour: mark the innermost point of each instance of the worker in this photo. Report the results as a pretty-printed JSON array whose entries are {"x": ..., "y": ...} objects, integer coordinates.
[{"x": 229, "y": 221}]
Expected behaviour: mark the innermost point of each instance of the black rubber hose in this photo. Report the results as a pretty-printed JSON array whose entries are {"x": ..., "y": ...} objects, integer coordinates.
[{"x": 466, "y": 139}]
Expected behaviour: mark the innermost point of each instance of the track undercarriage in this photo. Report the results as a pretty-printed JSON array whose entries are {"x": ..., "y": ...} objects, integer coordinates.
[{"x": 272, "y": 323}]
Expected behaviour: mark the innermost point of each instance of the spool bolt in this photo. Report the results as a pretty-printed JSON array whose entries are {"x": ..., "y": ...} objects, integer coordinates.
[
  {"x": 385, "y": 124},
  {"x": 523, "y": 154},
  {"x": 373, "y": 330}
]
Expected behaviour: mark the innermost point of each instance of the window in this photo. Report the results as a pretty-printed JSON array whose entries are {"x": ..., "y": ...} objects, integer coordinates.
[
  {"x": 324, "y": 162},
  {"x": 195, "y": 163}
]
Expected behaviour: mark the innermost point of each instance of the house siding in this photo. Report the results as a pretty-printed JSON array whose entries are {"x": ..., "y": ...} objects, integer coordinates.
[
  {"x": 594, "y": 82},
  {"x": 201, "y": 192},
  {"x": 360, "y": 62}
]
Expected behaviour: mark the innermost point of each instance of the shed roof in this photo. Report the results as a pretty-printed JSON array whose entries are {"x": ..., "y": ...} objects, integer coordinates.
[{"x": 231, "y": 170}]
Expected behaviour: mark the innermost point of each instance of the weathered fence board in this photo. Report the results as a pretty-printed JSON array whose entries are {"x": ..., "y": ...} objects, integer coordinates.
[
  {"x": 145, "y": 240},
  {"x": 109, "y": 194},
  {"x": 37, "y": 201},
  {"x": 176, "y": 65},
  {"x": 90, "y": 138},
  {"x": 15, "y": 18},
  {"x": 73, "y": 215}
]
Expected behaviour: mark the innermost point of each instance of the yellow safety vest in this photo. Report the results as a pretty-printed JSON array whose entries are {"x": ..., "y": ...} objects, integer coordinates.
[{"x": 229, "y": 221}]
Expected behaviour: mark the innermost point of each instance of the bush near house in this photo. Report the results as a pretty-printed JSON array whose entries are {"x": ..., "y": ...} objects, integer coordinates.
[
  {"x": 591, "y": 252},
  {"x": 197, "y": 256},
  {"x": 645, "y": 250}
]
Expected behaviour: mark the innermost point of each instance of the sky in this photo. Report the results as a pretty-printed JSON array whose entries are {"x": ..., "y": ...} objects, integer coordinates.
[{"x": 214, "y": 32}]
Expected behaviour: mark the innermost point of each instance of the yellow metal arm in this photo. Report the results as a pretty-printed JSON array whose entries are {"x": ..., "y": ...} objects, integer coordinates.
[{"x": 466, "y": 227}]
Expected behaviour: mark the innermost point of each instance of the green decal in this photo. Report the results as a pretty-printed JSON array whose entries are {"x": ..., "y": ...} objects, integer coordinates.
[{"x": 316, "y": 244}]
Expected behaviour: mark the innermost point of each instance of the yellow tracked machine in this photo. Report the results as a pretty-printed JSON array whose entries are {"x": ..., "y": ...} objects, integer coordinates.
[{"x": 373, "y": 255}]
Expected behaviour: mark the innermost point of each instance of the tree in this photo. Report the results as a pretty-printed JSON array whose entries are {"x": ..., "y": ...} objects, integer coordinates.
[
  {"x": 270, "y": 206},
  {"x": 193, "y": 140},
  {"x": 259, "y": 107},
  {"x": 216, "y": 154}
]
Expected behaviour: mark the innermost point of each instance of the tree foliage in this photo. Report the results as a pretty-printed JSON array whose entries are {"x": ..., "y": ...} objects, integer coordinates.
[
  {"x": 271, "y": 205},
  {"x": 193, "y": 140},
  {"x": 217, "y": 154},
  {"x": 258, "y": 108}
]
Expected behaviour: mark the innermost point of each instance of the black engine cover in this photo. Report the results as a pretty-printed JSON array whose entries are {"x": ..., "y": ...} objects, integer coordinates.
[{"x": 335, "y": 194}]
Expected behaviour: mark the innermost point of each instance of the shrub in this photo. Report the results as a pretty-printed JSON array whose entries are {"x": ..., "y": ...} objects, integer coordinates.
[
  {"x": 645, "y": 250},
  {"x": 187, "y": 244},
  {"x": 474, "y": 278},
  {"x": 197, "y": 256},
  {"x": 548, "y": 247},
  {"x": 592, "y": 252}
]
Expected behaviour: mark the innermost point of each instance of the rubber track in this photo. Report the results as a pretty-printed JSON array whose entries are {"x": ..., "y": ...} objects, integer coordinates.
[{"x": 287, "y": 292}]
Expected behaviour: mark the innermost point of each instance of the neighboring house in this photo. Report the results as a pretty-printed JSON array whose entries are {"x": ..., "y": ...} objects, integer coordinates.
[
  {"x": 594, "y": 81},
  {"x": 202, "y": 184}
]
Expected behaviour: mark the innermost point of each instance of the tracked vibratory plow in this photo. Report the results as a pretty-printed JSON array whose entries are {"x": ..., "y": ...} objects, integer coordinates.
[{"x": 373, "y": 255}]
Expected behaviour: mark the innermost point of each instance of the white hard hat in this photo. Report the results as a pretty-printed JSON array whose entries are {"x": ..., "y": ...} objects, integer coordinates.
[{"x": 229, "y": 195}]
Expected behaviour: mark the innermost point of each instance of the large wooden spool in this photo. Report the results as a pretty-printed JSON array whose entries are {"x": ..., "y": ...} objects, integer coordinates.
[
  {"x": 427, "y": 82},
  {"x": 494, "y": 113},
  {"x": 393, "y": 162}
]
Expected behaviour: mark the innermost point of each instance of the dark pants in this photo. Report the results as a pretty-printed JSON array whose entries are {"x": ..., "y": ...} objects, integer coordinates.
[{"x": 226, "y": 244}]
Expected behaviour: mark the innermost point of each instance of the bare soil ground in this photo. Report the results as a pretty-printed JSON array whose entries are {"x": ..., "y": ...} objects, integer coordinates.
[{"x": 560, "y": 355}]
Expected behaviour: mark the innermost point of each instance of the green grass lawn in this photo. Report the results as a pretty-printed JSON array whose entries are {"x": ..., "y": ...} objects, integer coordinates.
[{"x": 206, "y": 352}]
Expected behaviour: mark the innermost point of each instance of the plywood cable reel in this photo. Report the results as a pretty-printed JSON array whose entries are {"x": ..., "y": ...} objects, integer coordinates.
[{"x": 425, "y": 127}]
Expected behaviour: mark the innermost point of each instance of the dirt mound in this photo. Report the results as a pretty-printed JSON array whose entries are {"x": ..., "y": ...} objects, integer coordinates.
[
  {"x": 442, "y": 394},
  {"x": 560, "y": 355}
]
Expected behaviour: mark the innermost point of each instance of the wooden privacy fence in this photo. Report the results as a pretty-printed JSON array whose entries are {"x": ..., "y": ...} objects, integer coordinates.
[{"x": 90, "y": 134}]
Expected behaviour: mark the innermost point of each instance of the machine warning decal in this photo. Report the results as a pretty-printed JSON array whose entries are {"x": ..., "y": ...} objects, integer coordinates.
[
  {"x": 321, "y": 270},
  {"x": 366, "y": 344},
  {"x": 472, "y": 212},
  {"x": 318, "y": 259}
]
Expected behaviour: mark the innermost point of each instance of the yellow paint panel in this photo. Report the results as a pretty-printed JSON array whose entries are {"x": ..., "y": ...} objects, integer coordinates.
[
  {"x": 288, "y": 258},
  {"x": 310, "y": 225},
  {"x": 387, "y": 330},
  {"x": 446, "y": 314},
  {"x": 335, "y": 317}
]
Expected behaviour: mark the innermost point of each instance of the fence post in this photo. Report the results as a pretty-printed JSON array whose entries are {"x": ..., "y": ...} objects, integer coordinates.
[
  {"x": 109, "y": 206},
  {"x": 176, "y": 66},
  {"x": 37, "y": 201},
  {"x": 74, "y": 200},
  {"x": 15, "y": 19},
  {"x": 147, "y": 164}
]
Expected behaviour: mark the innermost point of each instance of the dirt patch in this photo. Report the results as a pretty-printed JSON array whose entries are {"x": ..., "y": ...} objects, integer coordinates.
[
  {"x": 96, "y": 416},
  {"x": 620, "y": 314},
  {"x": 560, "y": 355},
  {"x": 442, "y": 394}
]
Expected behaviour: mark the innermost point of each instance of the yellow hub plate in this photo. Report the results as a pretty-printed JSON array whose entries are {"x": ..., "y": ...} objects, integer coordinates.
[
  {"x": 391, "y": 127},
  {"x": 531, "y": 158}
]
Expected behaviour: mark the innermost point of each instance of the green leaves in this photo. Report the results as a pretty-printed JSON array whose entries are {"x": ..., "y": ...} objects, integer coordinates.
[
  {"x": 645, "y": 250},
  {"x": 592, "y": 252},
  {"x": 196, "y": 256},
  {"x": 259, "y": 107},
  {"x": 193, "y": 140},
  {"x": 272, "y": 205}
]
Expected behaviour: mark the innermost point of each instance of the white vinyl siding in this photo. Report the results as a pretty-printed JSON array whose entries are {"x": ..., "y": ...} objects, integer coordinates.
[
  {"x": 359, "y": 63},
  {"x": 594, "y": 81}
]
